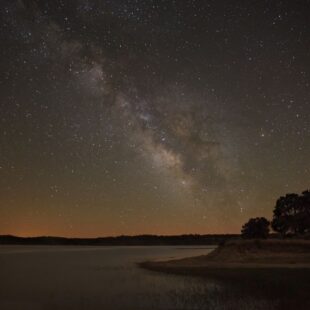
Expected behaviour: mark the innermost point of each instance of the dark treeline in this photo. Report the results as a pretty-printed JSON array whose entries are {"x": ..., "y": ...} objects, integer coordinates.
[{"x": 121, "y": 240}]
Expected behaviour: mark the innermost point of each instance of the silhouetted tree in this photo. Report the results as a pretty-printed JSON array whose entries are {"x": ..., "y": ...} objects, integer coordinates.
[
  {"x": 292, "y": 214},
  {"x": 256, "y": 228},
  {"x": 303, "y": 215},
  {"x": 284, "y": 214}
]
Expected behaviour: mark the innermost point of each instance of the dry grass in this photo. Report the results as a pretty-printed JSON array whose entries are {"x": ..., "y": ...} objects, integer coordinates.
[
  {"x": 240, "y": 254},
  {"x": 274, "y": 272}
]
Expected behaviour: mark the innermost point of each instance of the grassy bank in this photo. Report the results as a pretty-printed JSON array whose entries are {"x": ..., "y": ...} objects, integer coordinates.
[{"x": 243, "y": 258}]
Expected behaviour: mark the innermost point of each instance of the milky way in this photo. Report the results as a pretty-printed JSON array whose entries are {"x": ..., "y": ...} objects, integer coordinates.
[{"x": 167, "y": 117}]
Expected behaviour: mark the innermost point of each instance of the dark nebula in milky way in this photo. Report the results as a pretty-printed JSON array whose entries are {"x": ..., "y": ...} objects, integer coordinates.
[{"x": 166, "y": 117}]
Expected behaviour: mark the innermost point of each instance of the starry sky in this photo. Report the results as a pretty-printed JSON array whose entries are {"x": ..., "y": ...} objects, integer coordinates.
[{"x": 150, "y": 116}]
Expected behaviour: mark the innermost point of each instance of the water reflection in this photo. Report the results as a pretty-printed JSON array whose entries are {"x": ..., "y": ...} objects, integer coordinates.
[{"x": 108, "y": 278}]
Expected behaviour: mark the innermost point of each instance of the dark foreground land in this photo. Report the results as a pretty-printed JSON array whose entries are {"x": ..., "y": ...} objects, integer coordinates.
[
  {"x": 242, "y": 254},
  {"x": 276, "y": 270}
]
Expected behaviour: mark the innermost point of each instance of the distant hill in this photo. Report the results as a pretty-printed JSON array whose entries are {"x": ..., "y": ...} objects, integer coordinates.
[{"x": 192, "y": 239}]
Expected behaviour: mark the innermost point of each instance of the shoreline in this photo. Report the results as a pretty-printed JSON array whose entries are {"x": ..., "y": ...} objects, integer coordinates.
[{"x": 238, "y": 257}]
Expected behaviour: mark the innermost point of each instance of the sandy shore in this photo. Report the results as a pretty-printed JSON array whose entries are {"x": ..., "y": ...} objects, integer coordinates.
[{"x": 239, "y": 256}]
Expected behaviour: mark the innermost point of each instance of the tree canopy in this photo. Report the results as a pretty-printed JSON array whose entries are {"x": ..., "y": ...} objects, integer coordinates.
[
  {"x": 256, "y": 228},
  {"x": 292, "y": 214}
]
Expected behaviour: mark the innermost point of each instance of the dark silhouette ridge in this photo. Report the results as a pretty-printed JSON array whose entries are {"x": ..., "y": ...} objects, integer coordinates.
[{"x": 191, "y": 239}]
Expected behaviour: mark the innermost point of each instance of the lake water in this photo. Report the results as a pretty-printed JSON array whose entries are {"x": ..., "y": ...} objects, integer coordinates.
[{"x": 39, "y": 277}]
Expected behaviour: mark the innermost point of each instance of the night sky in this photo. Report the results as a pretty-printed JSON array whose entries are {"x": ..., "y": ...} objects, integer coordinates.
[{"x": 150, "y": 116}]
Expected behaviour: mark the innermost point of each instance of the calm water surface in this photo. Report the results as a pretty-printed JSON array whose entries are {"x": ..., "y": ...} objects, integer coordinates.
[{"x": 108, "y": 278}]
